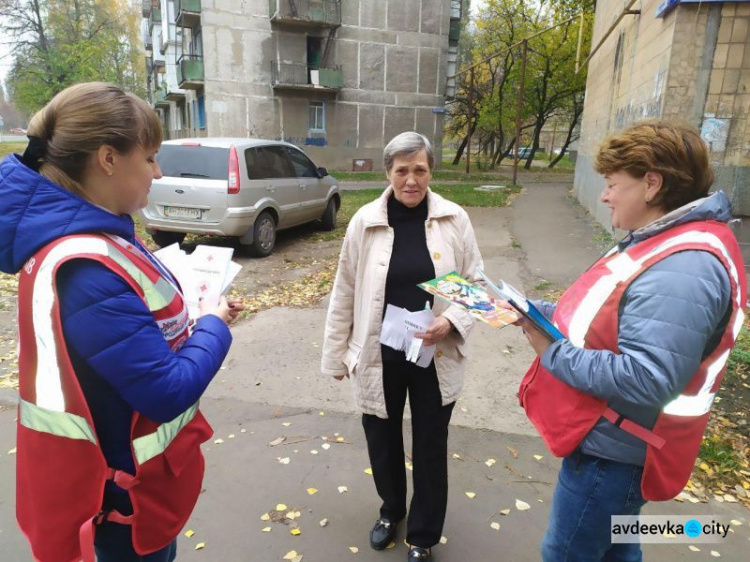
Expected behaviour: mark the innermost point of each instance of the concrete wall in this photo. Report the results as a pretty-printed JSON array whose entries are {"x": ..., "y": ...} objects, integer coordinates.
[
  {"x": 393, "y": 55},
  {"x": 694, "y": 64}
]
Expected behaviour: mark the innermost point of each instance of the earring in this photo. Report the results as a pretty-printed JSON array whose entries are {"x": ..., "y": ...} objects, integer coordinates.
[
  {"x": 110, "y": 175},
  {"x": 648, "y": 201}
]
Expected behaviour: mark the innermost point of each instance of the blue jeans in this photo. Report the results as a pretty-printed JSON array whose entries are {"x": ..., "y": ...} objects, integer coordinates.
[{"x": 589, "y": 491}]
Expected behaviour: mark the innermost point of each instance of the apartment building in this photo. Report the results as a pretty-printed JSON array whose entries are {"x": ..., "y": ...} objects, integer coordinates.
[
  {"x": 683, "y": 59},
  {"x": 345, "y": 75}
]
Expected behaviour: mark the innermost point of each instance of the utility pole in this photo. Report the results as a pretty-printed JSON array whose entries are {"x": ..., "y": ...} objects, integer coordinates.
[{"x": 519, "y": 109}]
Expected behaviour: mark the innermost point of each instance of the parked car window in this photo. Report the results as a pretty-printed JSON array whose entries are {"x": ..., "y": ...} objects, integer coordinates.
[
  {"x": 268, "y": 162},
  {"x": 303, "y": 166},
  {"x": 189, "y": 161}
]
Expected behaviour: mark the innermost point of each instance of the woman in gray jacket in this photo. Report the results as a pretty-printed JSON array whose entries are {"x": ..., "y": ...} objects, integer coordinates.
[{"x": 407, "y": 236}]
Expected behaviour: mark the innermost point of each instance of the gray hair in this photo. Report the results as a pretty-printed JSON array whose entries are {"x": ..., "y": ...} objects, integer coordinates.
[{"x": 407, "y": 144}]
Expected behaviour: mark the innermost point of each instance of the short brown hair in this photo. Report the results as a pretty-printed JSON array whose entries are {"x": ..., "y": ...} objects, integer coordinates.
[
  {"x": 82, "y": 118},
  {"x": 673, "y": 149}
]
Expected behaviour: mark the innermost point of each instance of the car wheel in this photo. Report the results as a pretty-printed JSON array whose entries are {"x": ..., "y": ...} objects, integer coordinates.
[
  {"x": 264, "y": 235},
  {"x": 328, "y": 219},
  {"x": 164, "y": 238}
]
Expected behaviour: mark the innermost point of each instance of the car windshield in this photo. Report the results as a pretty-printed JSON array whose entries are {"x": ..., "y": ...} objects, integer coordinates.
[{"x": 191, "y": 161}]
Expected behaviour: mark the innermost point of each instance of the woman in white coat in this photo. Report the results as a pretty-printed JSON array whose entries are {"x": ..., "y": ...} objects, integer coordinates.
[{"x": 407, "y": 236}]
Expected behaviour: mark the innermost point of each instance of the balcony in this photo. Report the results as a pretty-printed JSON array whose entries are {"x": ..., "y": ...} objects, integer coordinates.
[
  {"x": 188, "y": 13},
  {"x": 174, "y": 95},
  {"x": 309, "y": 13},
  {"x": 454, "y": 32},
  {"x": 159, "y": 63},
  {"x": 154, "y": 18},
  {"x": 190, "y": 72},
  {"x": 160, "y": 96},
  {"x": 299, "y": 76},
  {"x": 146, "y": 6}
]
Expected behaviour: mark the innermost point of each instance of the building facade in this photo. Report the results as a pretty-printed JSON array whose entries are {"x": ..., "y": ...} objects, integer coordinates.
[
  {"x": 345, "y": 75},
  {"x": 672, "y": 59}
]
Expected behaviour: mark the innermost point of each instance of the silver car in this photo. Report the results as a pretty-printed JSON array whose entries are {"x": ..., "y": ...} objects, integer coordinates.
[{"x": 246, "y": 188}]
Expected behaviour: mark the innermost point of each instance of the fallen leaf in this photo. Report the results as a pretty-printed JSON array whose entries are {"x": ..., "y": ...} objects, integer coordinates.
[
  {"x": 730, "y": 498},
  {"x": 291, "y": 555},
  {"x": 354, "y": 549},
  {"x": 522, "y": 506},
  {"x": 12, "y": 451},
  {"x": 339, "y": 439},
  {"x": 393, "y": 544},
  {"x": 735, "y": 522},
  {"x": 470, "y": 495},
  {"x": 323, "y": 522},
  {"x": 243, "y": 430},
  {"x": 189, "y": 533},
  {"x": 266, "y": 529},
  {"x": 200, "y": 546},
  {"x": 265, "y": 517},
  {"x": 409, "y": 466},
  {"x": 443, "y": 540},
  {"x": 512, "y": 451},
  {"x": 715, "y": 554},
  {"x": 285, "y": 460},
  {"x": 277, "y": 441},
  {"x": 286, "y": 424},
  {"x": 343, "y": 489},
  {"x": 312, "y": 491},
  {"x": 538, "y": 457},
  {"x": 218, "y": 441},
  {"x": 495, "y": 525},
  {"x": 694, "y": 548},
  {"x": 281, "y": 507},
  {"x": 321, "y": 413},
  {"x": 296, "y": 532},
  {"x": 368, "y": 471},
  {"x": 456, "y": 456},
  {"x": 326, "y": 446},
  {"x": 490, "y": 462},
  {"x": 505, "y": 512},
  {"x": 230, "y": 436},
  {"x": 313, "y": 452},
  {"x": 464, "y": 410}
]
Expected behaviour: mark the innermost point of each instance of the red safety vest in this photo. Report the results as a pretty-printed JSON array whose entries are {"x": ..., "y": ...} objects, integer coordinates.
[
  {"x": 61, "y": 471},
  {"x": 588, "y": 315}
]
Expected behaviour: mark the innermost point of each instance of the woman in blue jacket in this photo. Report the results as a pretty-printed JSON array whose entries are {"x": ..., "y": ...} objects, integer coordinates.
[{"x": 89, "y": 166}]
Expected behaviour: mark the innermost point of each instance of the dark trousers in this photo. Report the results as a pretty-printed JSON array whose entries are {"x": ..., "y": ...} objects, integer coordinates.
[{"x": 385, "y": 443}]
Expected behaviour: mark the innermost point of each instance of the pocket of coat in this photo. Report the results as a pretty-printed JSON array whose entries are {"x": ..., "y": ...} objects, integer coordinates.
[
  {"x": 463, "y": 349},
  {"x": 352, "y": 357}
]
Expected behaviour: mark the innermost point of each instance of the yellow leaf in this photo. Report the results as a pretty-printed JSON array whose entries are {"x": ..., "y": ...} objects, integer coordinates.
[
  {"x": 296, "y": 532},
  {"x": 280, "y": 507},
  {"x": 326, "y": 446},
  {"x": 538, "y": 457},
  {"x": 391, "y": 545},
  {"x": 409, "y": 466},
  {"x": 730, "y": 498},
  {"x": 715, "y": 554},
  {"x": 490, "y": 462},
  {"x": 368, "y": 471},
  {"x": 470, "y": 495},
  {"x": 323, "y": 522},
  {"x": 189, "y": 533},
  {"x": 291, "y": 555},
  {"x": 313, "y": 452},
  {"x": 284, "y": 460},
  {"x": 456, "y": 456},
  {"x": 343, "y": 489},
  {"x": 495, "y": 525},
  {"x": 694, "y": 548},
  {"x": 266, "y": 529},
  {"x": 443, "y": 540},
  {"x": 505, "y": 512},
  {"x": 312, "y": 491},
  {"x": 286, "y": 424},
  {"x": 321, "y": 413},
  {"x": 522, "y": 506},
  {"x": 218, "y": 441},
  {"x": 12, "y": 451},
  {"x": 735, "y": 522},
  {"x": 354, "y": 549},
  {"x": 340, "y": 439},
  {"x": 200, "y": 546}
]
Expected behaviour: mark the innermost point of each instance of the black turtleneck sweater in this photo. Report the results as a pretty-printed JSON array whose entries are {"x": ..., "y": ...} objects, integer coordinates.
[{"x": 410, "y": 262}]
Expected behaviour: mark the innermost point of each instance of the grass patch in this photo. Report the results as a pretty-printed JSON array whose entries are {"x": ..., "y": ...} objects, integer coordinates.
[
  {"x": 543, "y": 286},
  {"x": 7, "y": 148}
]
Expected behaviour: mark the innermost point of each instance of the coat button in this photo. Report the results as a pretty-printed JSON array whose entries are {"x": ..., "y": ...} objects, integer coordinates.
[
  {"x": 436, "y": 255},
  {"x": 439, "y": 353},
  {"x": 429, "y": 224}
]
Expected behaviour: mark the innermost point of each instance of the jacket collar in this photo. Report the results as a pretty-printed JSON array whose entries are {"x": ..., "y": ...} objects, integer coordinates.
[{"x": 376, "y": 214}]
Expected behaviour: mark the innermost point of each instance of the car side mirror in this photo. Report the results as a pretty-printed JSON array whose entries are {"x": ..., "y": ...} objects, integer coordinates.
[{"x": 322, "y": 172}]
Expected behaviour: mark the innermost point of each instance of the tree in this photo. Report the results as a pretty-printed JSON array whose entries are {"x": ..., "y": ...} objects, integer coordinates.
[{"x": 61, "y": 42}]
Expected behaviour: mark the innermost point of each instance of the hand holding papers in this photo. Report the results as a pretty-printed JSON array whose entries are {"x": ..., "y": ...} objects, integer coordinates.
[
  {"x": 206, "y": 274},
  {"x": 518, "y": 301},
  {"x": 473, "y": 298},
  {"x": 399, "y": 327}
]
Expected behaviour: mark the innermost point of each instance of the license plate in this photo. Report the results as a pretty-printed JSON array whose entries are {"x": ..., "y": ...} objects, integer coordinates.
[{"x": 182, "y": 213}]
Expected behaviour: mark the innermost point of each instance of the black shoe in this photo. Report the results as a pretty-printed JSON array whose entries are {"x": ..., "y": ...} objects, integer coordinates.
[
  {"x": 382, "y": 534},
  {"x": 418, "y": 554}
]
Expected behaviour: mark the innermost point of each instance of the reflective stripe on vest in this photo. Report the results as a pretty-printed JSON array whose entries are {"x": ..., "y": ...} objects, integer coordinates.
[
  {"x": 153, "y": 444},
  {"x": 622, "y": 268},
  {"x": 49, "y": 393},
  {"x": 62, "y": 424}
]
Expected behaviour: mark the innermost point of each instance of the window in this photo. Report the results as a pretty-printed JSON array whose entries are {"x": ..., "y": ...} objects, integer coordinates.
[
  {"x": 268, "y": 162},
  {"x": 317, "y": 117},
  {"x": 201, "y": 112},
  {"x": 302, "y": 164},
  {"x": 187, "y": 161}
]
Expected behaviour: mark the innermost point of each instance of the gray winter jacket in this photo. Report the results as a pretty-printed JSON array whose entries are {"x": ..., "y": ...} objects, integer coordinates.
[{"x": 671, "y": 317}]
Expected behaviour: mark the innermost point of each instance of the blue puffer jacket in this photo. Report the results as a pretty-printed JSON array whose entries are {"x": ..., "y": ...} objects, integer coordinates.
[
  {"x": 671, "y": 317},
  {"x": 118, "y": 352}
]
